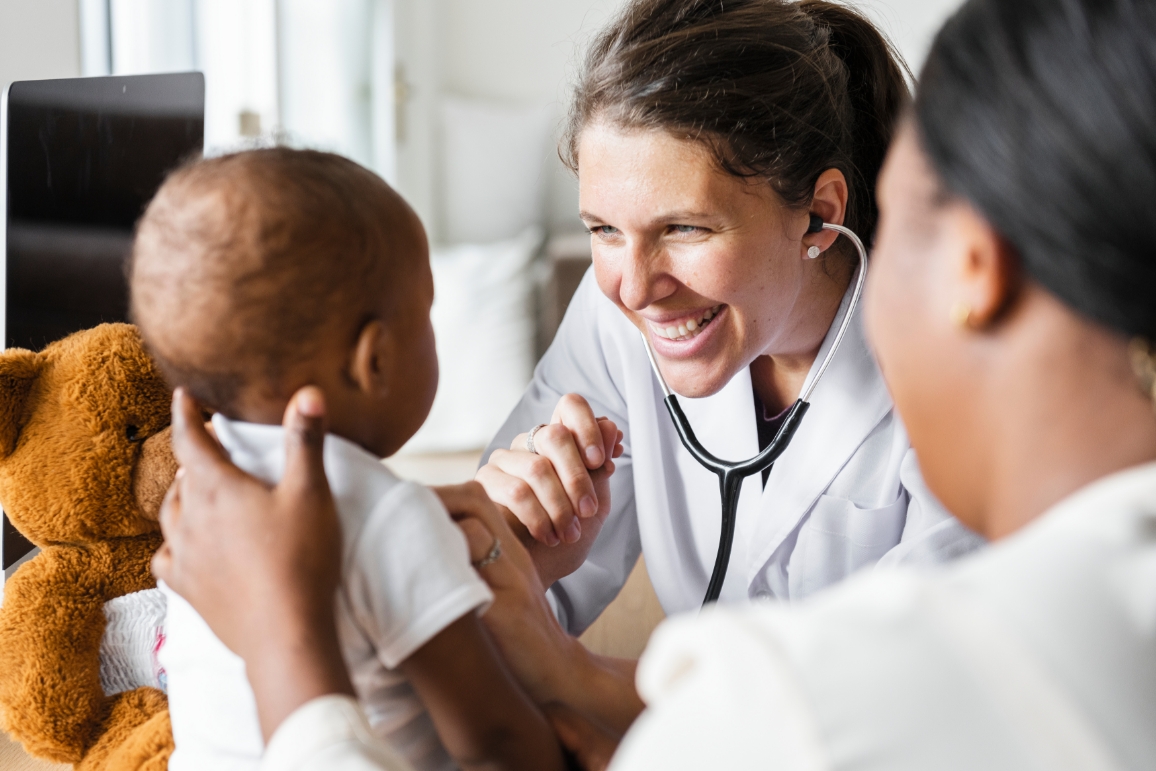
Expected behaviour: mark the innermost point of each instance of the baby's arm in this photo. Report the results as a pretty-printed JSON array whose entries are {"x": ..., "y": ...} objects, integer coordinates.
[{"x": 484, "y": 719}]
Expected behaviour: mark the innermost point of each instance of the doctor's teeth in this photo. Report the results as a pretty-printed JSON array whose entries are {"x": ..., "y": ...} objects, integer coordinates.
[{"x": 690, "y": 329}]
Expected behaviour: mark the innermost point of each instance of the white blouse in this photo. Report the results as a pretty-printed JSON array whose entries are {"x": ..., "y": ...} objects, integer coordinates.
[{"x": 1039, "y": 653}]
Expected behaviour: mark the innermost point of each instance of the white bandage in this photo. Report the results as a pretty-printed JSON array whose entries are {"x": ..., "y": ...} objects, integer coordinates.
[{"x": 133, "y": 635}]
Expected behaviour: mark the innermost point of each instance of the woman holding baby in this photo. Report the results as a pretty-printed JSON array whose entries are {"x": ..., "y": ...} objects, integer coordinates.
[{"x": 1010, "y": 306}]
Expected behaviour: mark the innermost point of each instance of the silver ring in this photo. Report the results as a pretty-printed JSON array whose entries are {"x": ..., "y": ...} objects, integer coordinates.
[
  {"x": 492, "y": 557},
  {"x": 530, "y": 438}
]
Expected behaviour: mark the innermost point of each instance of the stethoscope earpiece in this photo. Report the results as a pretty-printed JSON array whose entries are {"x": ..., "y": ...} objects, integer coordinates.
[{"x": 816, "y": 226}]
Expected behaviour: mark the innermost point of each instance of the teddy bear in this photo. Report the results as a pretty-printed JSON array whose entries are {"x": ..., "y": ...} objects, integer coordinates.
[{"x": 85, "y": 461}]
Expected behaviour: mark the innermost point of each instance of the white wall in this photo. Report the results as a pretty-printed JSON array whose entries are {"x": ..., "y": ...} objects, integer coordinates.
[
  {"x": 524, "y": 51},
  {"x": 39, "y": 39},
  {"x": 911, "y": 24},
  {"x": 518, "y": 51},
  {"x": 528, "y": 51}
]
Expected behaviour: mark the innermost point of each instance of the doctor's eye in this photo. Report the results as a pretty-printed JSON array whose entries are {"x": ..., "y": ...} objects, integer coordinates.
[
  {"x": 685, "y": 230},
  {"x": 604, "y": 230}
]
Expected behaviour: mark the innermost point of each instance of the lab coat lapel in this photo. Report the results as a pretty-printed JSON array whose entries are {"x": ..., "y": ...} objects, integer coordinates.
[{"x": 847, "y": 405}]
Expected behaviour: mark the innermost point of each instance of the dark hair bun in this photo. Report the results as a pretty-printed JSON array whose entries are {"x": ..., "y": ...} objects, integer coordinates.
[{"x": 1043, "y": 115}]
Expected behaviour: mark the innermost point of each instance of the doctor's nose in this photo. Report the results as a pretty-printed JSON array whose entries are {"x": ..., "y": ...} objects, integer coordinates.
[{"x": 643, "y": 277}]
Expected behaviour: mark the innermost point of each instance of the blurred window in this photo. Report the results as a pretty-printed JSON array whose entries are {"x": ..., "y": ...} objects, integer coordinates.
[{"x": 307, "y": 73}]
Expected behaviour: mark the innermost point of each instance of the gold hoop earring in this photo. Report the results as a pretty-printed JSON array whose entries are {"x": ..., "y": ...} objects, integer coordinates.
[{"x": 961, "y": 315}]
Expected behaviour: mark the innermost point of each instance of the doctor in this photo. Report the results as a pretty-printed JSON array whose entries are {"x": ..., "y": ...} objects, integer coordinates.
[{"x": 704, "y": 136}]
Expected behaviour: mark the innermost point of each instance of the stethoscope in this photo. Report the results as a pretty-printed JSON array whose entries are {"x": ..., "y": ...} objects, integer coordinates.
[{"x": 731, "y": 475}]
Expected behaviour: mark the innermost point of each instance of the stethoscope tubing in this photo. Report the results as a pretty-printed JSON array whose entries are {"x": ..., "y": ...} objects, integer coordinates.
[{"x": 731, "y": 474}]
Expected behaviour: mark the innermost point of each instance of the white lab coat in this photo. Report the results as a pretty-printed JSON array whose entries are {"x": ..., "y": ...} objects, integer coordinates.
[{"x": 846, "y": 494}]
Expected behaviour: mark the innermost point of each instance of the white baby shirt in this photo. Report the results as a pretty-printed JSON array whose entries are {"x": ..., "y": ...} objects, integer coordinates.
[{"x": 406, "y": 577}]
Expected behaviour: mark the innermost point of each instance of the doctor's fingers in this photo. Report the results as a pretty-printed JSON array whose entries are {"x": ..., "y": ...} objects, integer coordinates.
[
  {"x": 611, "y": 437},
  {"x": 576, "y": 414},
  {"x": 556, "y": 443},
  {"x": 506, "y": 482},
  {"x": 554, "y": 481},
  {"x": 518, "y": 497}
]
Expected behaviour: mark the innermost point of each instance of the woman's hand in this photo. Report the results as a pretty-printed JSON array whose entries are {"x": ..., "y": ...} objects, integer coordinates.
[
  {"x": 561, "y": 494},
  {"x": 260, "y": 564},
  {"x": 530, "y": 638},
  {"x": 553, "y": 667}
]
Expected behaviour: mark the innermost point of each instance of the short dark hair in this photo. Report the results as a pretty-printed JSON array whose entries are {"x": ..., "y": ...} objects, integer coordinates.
[
  {"x": 242, "y": 262},
  {"x": 778, "y": 90},
  {"x": 1042, "y": 114}
]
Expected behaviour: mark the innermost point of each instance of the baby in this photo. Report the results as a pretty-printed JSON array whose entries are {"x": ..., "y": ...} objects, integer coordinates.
[{"x": 255, "y": 274}]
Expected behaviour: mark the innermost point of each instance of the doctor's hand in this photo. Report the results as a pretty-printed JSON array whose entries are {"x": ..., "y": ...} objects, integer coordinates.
[
  {"x": 260, "y": 564},
  {"x": 561, "y": 493}
]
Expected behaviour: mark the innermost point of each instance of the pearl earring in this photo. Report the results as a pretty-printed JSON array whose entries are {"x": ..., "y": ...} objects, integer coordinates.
[
  {"x": 961, "y": 314},
  {"x": 814, "y": 252}
]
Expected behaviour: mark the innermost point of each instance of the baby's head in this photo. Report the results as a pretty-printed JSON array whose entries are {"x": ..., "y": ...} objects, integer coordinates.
[{"x": 257, "y": 273}]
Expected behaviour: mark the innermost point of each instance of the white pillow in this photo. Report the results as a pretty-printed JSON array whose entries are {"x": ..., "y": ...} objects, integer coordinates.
[
  {"x": 493, "y": 168},
  {"x": 484, "y": 323}
]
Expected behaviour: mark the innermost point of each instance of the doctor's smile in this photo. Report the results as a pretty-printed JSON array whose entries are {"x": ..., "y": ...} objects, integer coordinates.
[{"x": 684, "y": 328}]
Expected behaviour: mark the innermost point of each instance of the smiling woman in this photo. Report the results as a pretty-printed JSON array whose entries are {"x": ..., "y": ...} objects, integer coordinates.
[{"x": 706, "y": 138}]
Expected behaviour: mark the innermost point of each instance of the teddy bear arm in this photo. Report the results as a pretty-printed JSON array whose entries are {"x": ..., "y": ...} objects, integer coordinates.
[{"x": 51, "y": 625}]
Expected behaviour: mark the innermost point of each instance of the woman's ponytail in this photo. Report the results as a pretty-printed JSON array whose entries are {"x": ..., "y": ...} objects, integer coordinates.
[
  {"x": 777, "y": 90},
  {"x": 876, "y": 85}
]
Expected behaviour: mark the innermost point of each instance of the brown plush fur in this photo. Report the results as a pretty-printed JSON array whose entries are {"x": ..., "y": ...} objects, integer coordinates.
[{"x": 79, "y": 477}]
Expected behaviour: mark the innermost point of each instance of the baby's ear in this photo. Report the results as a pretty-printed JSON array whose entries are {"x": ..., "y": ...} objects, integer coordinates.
[{"x": 18, "y": 372}]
